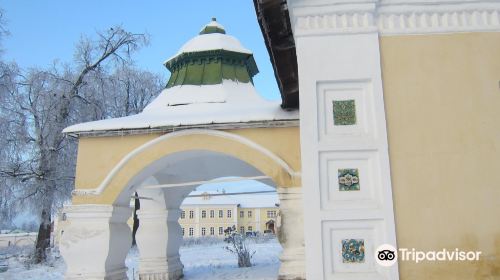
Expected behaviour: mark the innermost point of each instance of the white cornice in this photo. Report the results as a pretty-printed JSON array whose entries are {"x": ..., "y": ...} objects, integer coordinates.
[
  {"x": 334, "y": 19},
  {"x": 393, "y": 17},
  {"x": 444, "y": 18}
]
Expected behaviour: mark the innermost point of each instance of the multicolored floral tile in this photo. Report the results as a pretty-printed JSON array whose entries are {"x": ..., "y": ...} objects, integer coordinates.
[
  {"x": 349, "y": 179},
  {"x": 344, "y": 112},
  {"x": 353, "y": 251}
]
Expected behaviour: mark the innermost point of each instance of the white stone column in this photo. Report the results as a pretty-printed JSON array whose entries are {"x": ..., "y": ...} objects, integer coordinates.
[
  {"x": 291, "y": 234},
  {"x": 159, "y": 236},
  {"x": 96, "y": 241}
]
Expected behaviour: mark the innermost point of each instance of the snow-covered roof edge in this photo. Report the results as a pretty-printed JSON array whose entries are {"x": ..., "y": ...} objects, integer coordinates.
[{"x": 165, "y": 129}]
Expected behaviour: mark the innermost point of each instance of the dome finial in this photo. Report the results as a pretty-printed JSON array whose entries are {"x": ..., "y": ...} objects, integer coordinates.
[{"x": 213, "y": 27}]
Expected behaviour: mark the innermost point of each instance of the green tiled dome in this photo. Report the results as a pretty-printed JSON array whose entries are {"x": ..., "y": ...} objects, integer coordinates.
[{"x": 210, "y": 58}]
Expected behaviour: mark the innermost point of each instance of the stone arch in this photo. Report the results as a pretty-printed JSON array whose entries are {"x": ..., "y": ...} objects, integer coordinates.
[
  {"x": 102, "y": 212},
  {"x": 129, "y": 172}
]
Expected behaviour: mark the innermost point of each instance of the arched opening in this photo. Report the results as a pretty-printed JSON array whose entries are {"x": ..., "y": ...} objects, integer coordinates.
[
  {"x": 174, "y": 179},
  {"x": 206, "y": 213}
]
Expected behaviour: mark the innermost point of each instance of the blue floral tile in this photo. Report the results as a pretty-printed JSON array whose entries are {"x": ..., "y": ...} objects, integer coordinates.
[
  {"x": 348, "y": 179},
  {"x": 353, "y": 251},
  {"x": 344, "y": 112}
]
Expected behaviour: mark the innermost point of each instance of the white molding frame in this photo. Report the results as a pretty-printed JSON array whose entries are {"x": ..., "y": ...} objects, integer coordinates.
[
  {"x": 95, "y": 211},
  {"x": 394, "y": 17},
  {"x": 217, "y": 133}
]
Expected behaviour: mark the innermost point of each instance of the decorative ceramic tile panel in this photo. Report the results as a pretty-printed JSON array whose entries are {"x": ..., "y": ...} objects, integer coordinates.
[
  {"x": 348, "y": 247},
  {"x": 353, "y": 251},
  {"x": 344, "y": 112},
  {"x": 348, "y": 179}
]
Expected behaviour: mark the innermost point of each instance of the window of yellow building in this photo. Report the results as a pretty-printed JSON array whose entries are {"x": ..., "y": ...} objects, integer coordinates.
[
  {"x": 249, "y": 214},
  {"x": 191, "y": 231},
  {"x": 271, "y": 214},
  {"x": 212, "y": 214},
  {"x": 212, "y": 231},
  {"x": 183, "y": 214},
  {"x": 242, "y": 229},
  {"x": 221, "y": 214},
  {"x": 250, "y": 228},
  {"x": 203, "y": 231},
  {"x": 229, "y": 213},
  {"x": 221, "y": 230},
  {"x": 191, "y": 214},
  {"x": 242, "y": 214},
  {"x": 203, "y": 214}
]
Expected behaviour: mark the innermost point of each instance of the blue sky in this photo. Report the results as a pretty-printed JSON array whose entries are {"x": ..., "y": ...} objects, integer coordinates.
[{"x": 45, "y": 31}]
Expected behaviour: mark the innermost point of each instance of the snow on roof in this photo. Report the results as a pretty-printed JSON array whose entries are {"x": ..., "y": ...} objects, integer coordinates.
[
  {"x": 189, "y": 105},
  {"x": 212, "y": 41},
  {"x": 227, "y": 92},
  {"x": 213, "y": 23},
  {"x": 258, "y": 200},
  {"x": 229, "y": 102},
  {"x": 239, "y": 186}
]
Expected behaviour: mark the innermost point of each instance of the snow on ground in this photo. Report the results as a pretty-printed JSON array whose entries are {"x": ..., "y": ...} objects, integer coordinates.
[
  {"x": 217, "y": 263},
  {"x": 201, "y": 261}
]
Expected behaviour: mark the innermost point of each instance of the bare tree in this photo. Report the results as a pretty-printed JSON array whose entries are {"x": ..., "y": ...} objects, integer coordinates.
[
  {"x": 138, "y": 88},
  {"x": 123, "y": 92},
  {"x": 50, "y": 100},
  {"x": 6, "y": 74}
]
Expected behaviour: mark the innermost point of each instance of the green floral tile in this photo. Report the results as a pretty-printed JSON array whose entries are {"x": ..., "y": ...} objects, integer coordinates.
[
  {"x": 344, "y": 112},
  {"x": 349, "y": 179},
  {"x": 353, "y": 251}
]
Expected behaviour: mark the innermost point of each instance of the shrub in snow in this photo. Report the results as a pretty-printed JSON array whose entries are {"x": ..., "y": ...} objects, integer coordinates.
[{"x": 238, "y": 246}]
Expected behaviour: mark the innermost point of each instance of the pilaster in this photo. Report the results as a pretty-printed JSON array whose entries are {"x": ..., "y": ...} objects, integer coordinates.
[{"x": 344, "y": 151}]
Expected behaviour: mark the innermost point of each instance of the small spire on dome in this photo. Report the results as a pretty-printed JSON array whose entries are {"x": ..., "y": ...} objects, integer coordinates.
[{"x": 213, "y": 27}]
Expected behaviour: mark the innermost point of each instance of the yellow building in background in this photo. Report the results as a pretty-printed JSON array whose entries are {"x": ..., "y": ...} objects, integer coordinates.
[{"x": 209, "y": 213}]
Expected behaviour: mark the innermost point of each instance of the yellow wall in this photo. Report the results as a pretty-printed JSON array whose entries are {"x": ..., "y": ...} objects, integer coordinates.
[
  {"x": 264, "y": 218},
  {"x": 442, "y": 101},
  {"x": 197, "y": 222},
  {"x": 97, "y": 156},
  {"x": 257, "y": 221}
]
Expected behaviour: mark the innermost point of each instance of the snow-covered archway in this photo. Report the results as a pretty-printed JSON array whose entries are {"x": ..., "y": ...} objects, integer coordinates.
[{"x": 208, "y": 122}]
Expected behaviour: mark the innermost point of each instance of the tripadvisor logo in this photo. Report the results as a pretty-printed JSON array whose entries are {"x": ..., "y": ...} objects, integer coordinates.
[{"x": 387, "y": 255}]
